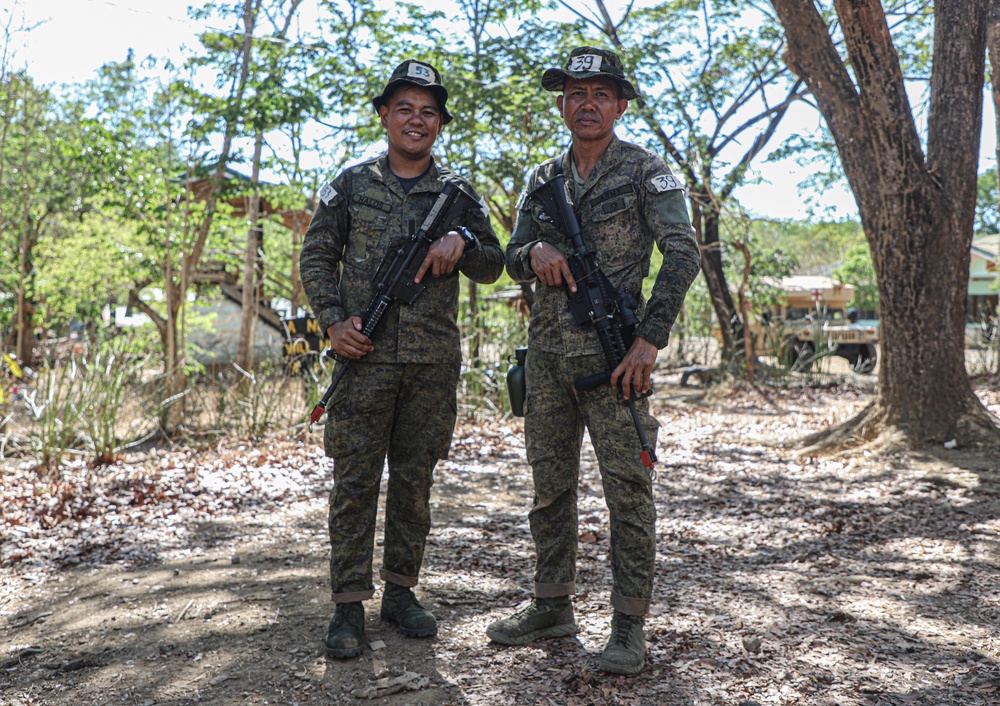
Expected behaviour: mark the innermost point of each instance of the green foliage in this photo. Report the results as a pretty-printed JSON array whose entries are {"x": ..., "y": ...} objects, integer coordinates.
[
  {"x": 768, "y": 265},
  {"x": 816, "y": 248},
  {"x": 696, "y": 318},
  {"x": 987, "y": 217},
  {"x": 501, "y": 327},
  {"x": 504, "y": 122},
  {"x": 51, "y": 164},
  {"x": 705, "y": 70},
  {"x": 859, "y": 271},
  {"x": 912, "y": 26},
  {"x": 104, "y": 165},
  {"x": 89, "y": 263},
  {"x": 89, "y": 402},
  {"x": 55, "y": 406},
  {"x": 111, "y": 413}
]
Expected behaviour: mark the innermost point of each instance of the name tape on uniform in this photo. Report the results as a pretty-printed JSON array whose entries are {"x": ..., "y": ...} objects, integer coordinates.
[
  {"x": 666, "y": 182},
  {"x": 327, "y": 194}
]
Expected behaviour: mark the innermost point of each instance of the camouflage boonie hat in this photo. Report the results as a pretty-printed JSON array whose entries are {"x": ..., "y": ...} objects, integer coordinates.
[
  {"x": 422, "y": 75},
  {"x": 587, "y": 62}
]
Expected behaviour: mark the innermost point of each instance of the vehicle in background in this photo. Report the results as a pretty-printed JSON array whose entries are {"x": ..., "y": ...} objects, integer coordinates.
[{"x": 812, "y": 320}]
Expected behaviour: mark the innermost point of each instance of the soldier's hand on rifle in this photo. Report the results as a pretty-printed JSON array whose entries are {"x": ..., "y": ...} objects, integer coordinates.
[
  {"x": 442, "y": 256},
  {"x": 551, "y": 266},
  {"x": 636, "y": 368},
  {"x": 347, "y": 340}
]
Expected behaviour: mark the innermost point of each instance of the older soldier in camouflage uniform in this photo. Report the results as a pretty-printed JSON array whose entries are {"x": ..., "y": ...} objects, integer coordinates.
[
  {"x": 626, "y": 201},
  {"x": 398, "y": 401}
]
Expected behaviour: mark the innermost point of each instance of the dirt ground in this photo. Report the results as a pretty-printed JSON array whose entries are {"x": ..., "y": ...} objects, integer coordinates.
[{"x": 184, "y": 576}]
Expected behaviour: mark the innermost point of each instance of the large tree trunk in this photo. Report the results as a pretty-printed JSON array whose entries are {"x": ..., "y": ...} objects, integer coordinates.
[{"x": 917, "y": 210}]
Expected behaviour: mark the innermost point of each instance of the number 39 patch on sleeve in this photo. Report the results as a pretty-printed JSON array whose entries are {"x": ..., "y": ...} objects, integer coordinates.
[{"x": 665, "y": 182}]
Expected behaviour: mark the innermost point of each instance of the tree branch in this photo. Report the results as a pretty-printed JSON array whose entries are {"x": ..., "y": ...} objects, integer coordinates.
[
  {"x": 956, "y": 97},
  {"x": 734, "y": 178},
  {"x": 814, "y": 58}
]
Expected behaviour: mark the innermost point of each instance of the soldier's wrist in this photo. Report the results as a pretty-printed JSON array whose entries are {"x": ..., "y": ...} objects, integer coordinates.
[{"x": 468, "y": 238}]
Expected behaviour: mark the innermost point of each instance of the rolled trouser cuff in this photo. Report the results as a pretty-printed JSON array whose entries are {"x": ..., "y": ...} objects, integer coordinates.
[
  {"x": 555, "y": 590},
  {"x": 398, "y": 579},
  {"x": 629, "y": 606},
  {"x": 353, "y": 596}
]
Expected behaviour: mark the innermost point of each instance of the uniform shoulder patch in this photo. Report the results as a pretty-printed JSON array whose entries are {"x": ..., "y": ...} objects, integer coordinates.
[
  {"x": 327, "y": 194},
  {"x": 665, "y": 182}
]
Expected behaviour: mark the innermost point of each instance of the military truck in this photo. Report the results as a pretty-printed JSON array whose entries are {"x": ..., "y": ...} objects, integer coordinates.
[{"x": 812, "y": 321}]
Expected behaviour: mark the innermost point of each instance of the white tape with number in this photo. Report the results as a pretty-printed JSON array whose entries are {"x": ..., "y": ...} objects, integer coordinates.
[{"x": 585, "y": 62}]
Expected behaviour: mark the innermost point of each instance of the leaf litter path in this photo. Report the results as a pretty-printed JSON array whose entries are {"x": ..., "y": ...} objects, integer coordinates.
[{"x": 199, "y": 576}]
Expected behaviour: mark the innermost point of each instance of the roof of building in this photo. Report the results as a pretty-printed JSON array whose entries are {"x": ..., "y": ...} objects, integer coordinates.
[{"x": 987, "y": 247}]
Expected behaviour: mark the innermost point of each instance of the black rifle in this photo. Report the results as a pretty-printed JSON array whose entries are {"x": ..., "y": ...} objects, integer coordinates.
[
  {"x": 394, "y": 279},
  {"x": 595, "y": 302}
]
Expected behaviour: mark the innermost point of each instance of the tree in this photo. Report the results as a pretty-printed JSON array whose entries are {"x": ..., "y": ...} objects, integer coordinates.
[
  {"x": 277, "y": 98},
  {"x": 187, "y": 234},
  {"x": 53, "y": 164},
  {"x": 916, "y": 199}
]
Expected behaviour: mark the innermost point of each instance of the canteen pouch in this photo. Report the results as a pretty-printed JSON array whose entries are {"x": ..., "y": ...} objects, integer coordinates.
[{"x": 516, "y": 385}]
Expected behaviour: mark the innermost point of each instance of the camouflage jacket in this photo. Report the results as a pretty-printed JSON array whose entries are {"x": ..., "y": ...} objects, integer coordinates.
[
  {"x": 361, "y": 215},
  {"x": 629, "y": 202}
]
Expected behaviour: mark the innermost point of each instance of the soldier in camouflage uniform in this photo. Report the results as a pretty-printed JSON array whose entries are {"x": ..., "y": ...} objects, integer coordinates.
[
  {"x": 626, "y": 201},
  {"x": 398, "y": 400}
]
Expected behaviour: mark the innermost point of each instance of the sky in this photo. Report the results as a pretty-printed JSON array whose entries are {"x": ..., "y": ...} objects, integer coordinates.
[{"x": 70, "y": 39}]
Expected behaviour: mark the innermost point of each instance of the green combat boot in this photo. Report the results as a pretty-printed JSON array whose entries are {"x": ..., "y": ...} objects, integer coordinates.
[
  {"x": 343, "y": 637},
  {"x": 400, "y": 606},
  {"x": 626, "y": 650},
  {"x": 545, "y": 617}
]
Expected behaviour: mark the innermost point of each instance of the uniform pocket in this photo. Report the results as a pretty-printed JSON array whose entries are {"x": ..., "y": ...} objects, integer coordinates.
[
  {"x": 360, "y": 412},
  {"x": 614, "y": 217},
  {"x": 367, "y": 227},
  {"x": 345, "y": 434}
]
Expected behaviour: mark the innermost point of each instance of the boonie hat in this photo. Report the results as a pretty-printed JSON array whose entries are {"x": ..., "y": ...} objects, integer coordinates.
[
  {"x": 587, "y": 62},
  {"x": 416, "y": 73}
]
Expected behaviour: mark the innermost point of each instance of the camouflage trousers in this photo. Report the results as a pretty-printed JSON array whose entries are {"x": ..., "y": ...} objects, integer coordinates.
[
  {"x": 403, "y": 413},
  {"x": 555, "y": 417}
]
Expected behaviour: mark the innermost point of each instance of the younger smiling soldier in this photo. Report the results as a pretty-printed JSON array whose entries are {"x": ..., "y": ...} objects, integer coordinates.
[{"x": 398, "y": 400}]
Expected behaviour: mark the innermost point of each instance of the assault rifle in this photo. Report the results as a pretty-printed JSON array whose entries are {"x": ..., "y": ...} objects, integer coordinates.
[
  {"x": 595, "y": 302},
  {"x": 394, "y": 278}
]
